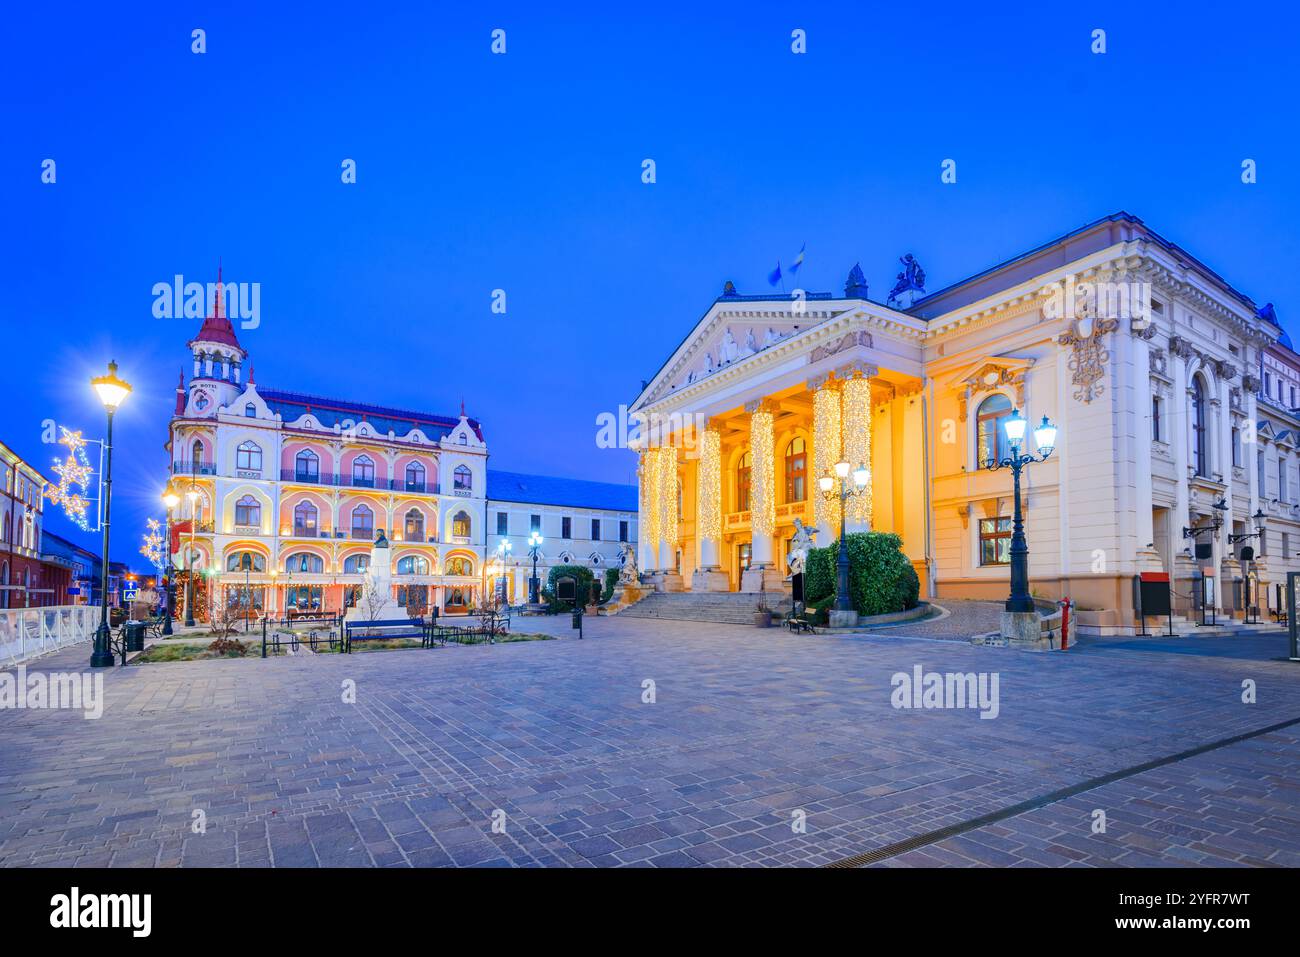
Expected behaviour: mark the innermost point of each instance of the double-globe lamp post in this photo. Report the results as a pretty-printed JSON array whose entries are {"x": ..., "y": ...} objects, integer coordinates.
[
  {"x": 171, "y": 500},
  {"x": 847, "y": 490},
  {"x": 1016, "y": 460},
  {"x": 112, "y": 393}
]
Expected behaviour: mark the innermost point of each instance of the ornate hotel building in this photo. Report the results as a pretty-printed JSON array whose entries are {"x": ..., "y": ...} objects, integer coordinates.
[
  {"x": 1174, "y": 394},
  {"x": 282, "y": 495}
]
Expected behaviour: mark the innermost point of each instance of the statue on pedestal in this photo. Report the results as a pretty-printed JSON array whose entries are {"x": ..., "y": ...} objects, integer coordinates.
[
  {"x": 628, "y": 574},
  {"x": 799, "y": 545}
]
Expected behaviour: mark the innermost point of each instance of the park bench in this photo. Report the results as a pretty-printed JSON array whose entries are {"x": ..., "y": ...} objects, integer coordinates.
[
  {"x": 365, "y": 631},
  {"x": 799, "y": 625}
]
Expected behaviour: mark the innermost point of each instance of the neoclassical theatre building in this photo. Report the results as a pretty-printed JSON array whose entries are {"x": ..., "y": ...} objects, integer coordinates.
[
  {"x": 282, "y": 495},
  {"x": 1175, "y": 396}
]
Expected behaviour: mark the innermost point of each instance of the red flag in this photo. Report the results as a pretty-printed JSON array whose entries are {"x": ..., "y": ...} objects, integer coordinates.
[{"x": 178, "y": 529}]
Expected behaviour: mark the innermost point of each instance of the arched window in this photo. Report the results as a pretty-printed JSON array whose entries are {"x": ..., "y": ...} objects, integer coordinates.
[
  {"x": 248, "y": 511},
  {"x": 413, "y": 565},
  {"x": 461, "y": 478},
  {"x": 363, "y": 471},
  {"x": 356, "y": 564},
  {"x": 304, "y": 519},
  {"x": 250, "y": 410},
  {"x": 245, "y": 561},
  {"x": 196, "y": 455},
  {"x": 304, "y": 562},
  {"x": 248, "y": 457},
  {"x": 743, "y": 474},
  {"x": 363, "y": 522},
  {"x": 796, "y": 470},
  {"x": 415, "y": 477},
  {"x": 1200, "y": 458},
  {"x": 413, "y": 530},
  {"x": 460, "y": 525},
  {"x": 991, "y": 435},
  {"x": 306, "y": 466},
  {"x": 459, "y": 566}
]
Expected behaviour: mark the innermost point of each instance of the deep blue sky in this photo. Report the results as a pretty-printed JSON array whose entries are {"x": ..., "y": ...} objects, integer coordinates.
[{"x": 523, "y": 172}]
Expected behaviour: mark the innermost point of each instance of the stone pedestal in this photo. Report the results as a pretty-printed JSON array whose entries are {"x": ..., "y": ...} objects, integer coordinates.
[
  {"x": 672, "y": 582},
  {"x": 379, "y": 581},
  {"x": 757, "y": 579},
  {"x": 625, "y": 594},
  {"x": 710, "y": 579},
  {"x": 842, "y": 619},
  {"x": 1023, "y": 629}
]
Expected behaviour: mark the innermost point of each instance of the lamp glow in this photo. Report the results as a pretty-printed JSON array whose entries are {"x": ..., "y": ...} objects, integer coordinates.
[
  {"x": 826, "y": 483},
  {"x": 1045, "y": 436},
  {"x": 861, "y": 476},
  {"x": 842, "y": 469},
  {"x": 112, "y": 390},
  {"x": 1015, "y": 426}
]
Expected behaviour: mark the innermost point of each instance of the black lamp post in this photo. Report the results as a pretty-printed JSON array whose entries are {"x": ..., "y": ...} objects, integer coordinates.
[
  {"x": 1045, "y": 438},
  {"x": 534, "y": 549},
  {"x": 112, "y": 392},
  {"x": 847, "y": 490},
  {"x": 171, "y": 500}
]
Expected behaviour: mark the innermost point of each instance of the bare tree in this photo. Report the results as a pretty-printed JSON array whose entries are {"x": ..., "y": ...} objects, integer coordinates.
[{"x": 223, "y": 616}]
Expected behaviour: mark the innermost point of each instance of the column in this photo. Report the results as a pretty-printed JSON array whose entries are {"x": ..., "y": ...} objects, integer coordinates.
[
  {"x": 668, "y": 518},
  {"x": 648, "y": 543},
  {"x": 856, "y": 414},
  {"x": 762, "y": 575},
  {"x": 708, "y": 574},
  {"x": 1148, "y": 558},
  {"x": 1180, "y": 426},
  {"x": 827, "y": 444}
]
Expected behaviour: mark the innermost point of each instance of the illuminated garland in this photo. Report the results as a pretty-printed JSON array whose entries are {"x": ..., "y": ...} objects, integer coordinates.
[
  {"x": 152, "y": 549},
  {"x": 826, "y": 452},
  {"x": 857, "y": 442},
  {"x": 762, "y": 500},
  {"x": 709, "y": 506},
  {"x": 668, "y": 495},
  {"x": 650, "y": 503},
  {"x": 73, "y": 471}
]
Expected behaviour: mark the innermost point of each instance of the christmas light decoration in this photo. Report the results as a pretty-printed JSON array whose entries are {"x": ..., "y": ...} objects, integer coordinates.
[
  {"x": 826, "y": 452},
  {"x": 74, "y": 473},
  {"x": 152, "y": 549},
  {"x": 762, "y": 500},
  {"x": 650, "y": 503},
  {"x": 668, "y": 495},
  {"x": 709, "y": 491},
  {"x": 857, "y": 442}
]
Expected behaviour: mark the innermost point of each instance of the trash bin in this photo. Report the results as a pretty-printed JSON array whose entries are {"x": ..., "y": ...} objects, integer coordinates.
[{"x": 134, "y": 636}]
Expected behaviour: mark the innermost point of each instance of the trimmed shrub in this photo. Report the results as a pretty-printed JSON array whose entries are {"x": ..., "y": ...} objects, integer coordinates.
[
  {"x": 611, "y": 580},
  {"x": 881, "y": 578},
  {"x": 583, "y": 578}
]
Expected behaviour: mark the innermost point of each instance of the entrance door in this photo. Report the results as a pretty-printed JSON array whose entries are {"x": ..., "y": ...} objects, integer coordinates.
[{"x": 743, "y": 553}]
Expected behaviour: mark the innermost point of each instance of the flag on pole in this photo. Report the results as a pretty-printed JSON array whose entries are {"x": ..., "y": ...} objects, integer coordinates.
[
  {"x": 775, "y": 276},
  {"x": 798, "y": 260}
]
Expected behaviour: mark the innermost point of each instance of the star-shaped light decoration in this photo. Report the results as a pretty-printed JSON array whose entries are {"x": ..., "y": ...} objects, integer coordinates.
[{"x": 74, "y": 473}]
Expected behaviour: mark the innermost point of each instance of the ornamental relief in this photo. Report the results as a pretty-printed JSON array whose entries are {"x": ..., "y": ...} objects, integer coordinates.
[
  {"x": 861, "y": 338},
  {"x": 1088, "y": 356},
  {"x": 988, "y": 378}
]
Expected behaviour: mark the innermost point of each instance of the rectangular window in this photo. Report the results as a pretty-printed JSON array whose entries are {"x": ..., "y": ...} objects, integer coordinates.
[
  {"x": 622, "y": 531},
  {"x": 1155, "y": 418},
  {"x": 1259, "y": 474},
  {"x": 534, "y": 523},
  {"x": 566, "y": 527},
  {"x": 502, "y": 519},
  {"x": 1236, "y": 446},
  {"x": 995, "y": 541},
  {"x": 1268, "y": 385},
  {"x": 595, "y": 529},
  {"x": 1286, "y": 545},
  {"x": 1282, "y": 490}
]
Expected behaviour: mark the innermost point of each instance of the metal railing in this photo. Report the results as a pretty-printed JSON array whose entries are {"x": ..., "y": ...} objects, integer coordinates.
[{"x": 27, "y": 633}]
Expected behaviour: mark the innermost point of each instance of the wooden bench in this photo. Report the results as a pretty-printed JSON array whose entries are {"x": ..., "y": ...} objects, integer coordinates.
[
  {"x": 800, "y": 625},
  {"x": 359, "y": 631}
]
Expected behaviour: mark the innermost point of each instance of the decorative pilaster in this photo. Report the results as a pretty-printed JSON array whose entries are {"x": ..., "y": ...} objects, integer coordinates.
[
  {"x": 762, "y": 501},
  {"x": 667, "y": 461},
  {"x": 708, "y": 513},
  {"x": 649, "y": 474},
  {"x": 857, "y": 447},
  {"x": 827, "y": 443}
]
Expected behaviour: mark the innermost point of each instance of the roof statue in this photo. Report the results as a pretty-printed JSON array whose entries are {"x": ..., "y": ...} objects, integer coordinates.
[
  {"x": 856, "y": 286},
  {"x": 729, "y": 289},
  {"x": 911, "y": 279}
]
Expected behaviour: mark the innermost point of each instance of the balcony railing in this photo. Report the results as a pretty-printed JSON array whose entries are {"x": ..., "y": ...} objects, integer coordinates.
[
  {"x": 194, "y": 468},
  {"x": 346, "y": 481}
]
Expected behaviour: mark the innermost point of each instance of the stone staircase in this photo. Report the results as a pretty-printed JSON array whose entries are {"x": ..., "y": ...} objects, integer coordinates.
[
  {"x": 728, "y": 607},
  {"x": 1187, "y": 627}
]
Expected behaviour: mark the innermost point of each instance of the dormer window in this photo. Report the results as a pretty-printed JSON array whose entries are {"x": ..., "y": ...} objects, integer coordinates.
[
  {"x": 250, "y": 410},
  {"x": 463, "y": 439}
]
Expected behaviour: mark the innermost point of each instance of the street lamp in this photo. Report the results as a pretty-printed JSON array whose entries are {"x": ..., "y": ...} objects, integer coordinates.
[
  {"x": 171, "y": 500},
  {"x": 193, "y": 496},
  {"x": 112, "y": 392},
  {"x": 534, "y": 550},
  {"x": 1045, "y": 439},
  {"x": 847, "y": 490},
  {"x": 504, "y": 548}
]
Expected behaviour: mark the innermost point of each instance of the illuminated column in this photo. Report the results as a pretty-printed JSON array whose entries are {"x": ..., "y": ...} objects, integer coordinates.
[
  {"x": 667, "y": 460},
  {"x": 762, "y": 487},
  {"x": 708, "y": 514},
  {"x": 649, "y": 475},
  {"x": 826, "y": 452},
  {"x": 857, "y": 447}
]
